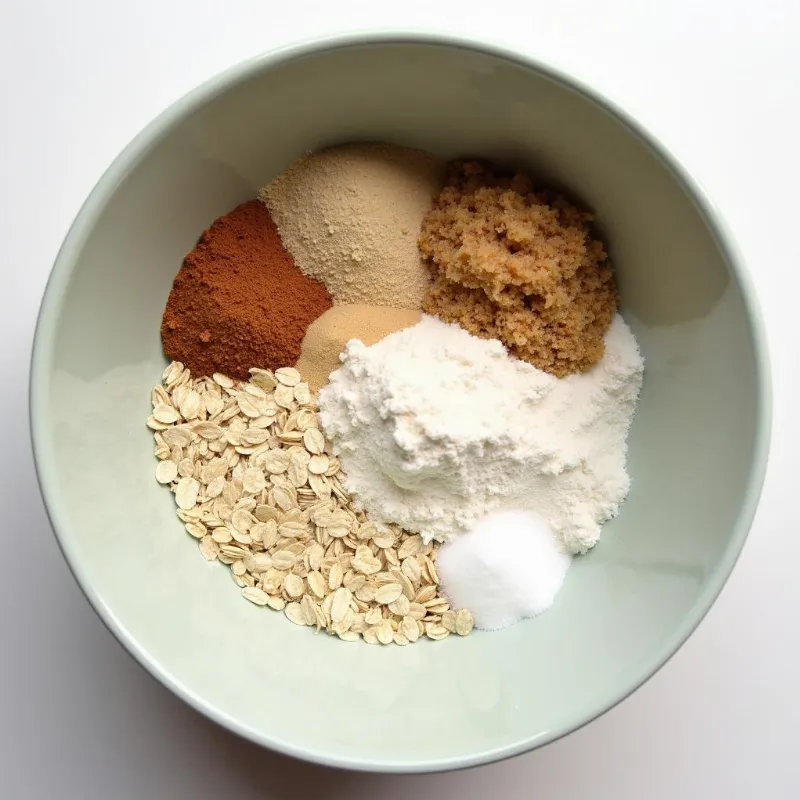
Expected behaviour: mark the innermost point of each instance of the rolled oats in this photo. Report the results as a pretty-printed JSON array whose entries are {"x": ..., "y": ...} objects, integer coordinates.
[
  {"x": 255, "y": 483},
  {"x": 166, "y": 471},
  {"x": 288, "y": 376},
  {"x": 464, "y": 622}
]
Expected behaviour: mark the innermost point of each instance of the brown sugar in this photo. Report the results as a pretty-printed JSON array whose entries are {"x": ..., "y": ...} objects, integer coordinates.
[
  {"x": 239, "y": 301},
  {"x": 520, "y": 266}
]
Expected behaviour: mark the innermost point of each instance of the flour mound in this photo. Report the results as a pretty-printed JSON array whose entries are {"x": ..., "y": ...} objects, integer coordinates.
[{"x": 436, "y": 428}]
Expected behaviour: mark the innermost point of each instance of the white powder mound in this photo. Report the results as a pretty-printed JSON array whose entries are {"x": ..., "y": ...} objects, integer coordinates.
[
  {"x": 436, "y": 428},
  {"x": 508, "y": 567}
]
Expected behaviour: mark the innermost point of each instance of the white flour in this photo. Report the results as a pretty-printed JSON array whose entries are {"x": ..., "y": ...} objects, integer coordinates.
[{"x": 436, "y": 428}]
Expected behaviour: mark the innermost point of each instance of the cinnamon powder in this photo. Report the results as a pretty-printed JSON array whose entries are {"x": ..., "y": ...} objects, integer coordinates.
[{"x": 239, "y": 301}]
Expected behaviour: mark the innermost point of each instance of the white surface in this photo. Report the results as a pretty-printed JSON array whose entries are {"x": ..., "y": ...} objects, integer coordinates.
[{"x": 717, "y": 81}]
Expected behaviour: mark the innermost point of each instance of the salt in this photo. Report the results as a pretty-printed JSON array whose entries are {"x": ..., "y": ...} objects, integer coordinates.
[{"x": 509, "y": 566}]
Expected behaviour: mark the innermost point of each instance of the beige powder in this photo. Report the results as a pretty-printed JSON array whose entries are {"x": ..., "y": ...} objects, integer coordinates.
[
  {"x": 326, "y": 337},
  {"x": 351, "y": 215}
]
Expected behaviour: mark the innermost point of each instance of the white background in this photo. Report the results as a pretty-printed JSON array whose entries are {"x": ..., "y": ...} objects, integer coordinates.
[{"x": 718, "y": 82}]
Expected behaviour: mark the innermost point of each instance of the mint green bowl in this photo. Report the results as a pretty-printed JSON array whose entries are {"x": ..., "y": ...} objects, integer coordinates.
[{"x": 698, "y": 446}]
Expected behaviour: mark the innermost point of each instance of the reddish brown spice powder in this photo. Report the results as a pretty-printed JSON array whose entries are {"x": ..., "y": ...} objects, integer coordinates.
[{"x": 239, "y": 301}]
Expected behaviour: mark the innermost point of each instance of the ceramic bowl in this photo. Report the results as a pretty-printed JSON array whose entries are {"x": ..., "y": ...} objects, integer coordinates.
[{"x": 697, "y": 447}]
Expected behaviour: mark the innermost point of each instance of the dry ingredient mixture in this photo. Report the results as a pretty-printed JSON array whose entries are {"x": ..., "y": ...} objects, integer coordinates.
[
  {"x": 238, "y": 300},
  {"x": 520, "y": 266},
  {"x": 350, "y": 216},
  {"x": 326, "y": 337},
  {"x": 256, "y": 484},
  {"x": 485, "y": 442},
  {"x": 436, "y": 428}
]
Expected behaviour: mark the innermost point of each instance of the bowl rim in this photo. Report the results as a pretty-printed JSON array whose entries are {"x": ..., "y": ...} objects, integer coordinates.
[{"x": 130, "y": 157}]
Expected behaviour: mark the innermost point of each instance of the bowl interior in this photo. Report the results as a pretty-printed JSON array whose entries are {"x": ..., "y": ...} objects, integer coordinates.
[{"x": 696, "y": 447}]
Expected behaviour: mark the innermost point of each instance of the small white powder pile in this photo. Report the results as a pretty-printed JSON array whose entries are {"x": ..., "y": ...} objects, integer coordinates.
[
  {"x": 436, "y": 428},
  {"x": 508, "y": 567}
]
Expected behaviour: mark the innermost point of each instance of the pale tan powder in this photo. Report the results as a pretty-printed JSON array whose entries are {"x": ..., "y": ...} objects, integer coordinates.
[
  {"x": 351, "y": 215},
  {"x": 326, "y": 337}
]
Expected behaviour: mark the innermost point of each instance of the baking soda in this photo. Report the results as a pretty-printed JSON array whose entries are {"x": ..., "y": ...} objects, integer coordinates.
[{"x": 508, "y": 567}]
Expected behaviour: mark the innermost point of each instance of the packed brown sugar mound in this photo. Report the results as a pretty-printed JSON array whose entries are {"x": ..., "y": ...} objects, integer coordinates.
[{"x": 521, "y": 266}]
